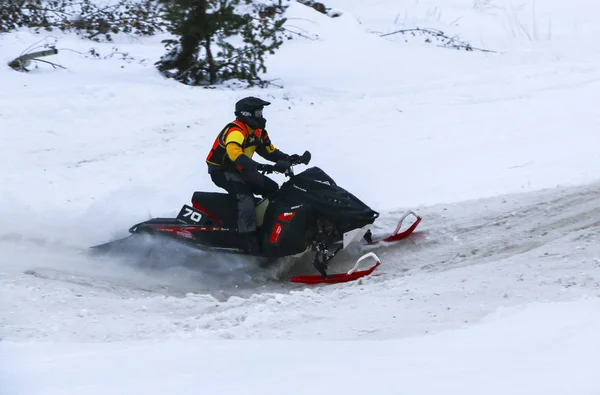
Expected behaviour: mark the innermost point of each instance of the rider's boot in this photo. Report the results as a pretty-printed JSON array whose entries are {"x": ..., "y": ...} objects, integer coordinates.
[{"x": 252, "y": 245}]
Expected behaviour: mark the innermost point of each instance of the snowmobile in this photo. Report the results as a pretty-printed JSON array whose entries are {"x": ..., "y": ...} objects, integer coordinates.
[{"x": 309, "y": 212}]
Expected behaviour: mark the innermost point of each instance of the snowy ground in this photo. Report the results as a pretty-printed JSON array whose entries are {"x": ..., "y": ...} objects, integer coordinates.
[
  {"x": 496, "y": 293},
  {"x": 518, "y": 352}
]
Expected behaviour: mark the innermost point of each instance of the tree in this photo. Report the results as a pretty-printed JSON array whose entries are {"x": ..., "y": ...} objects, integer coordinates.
[{"x": 221, "y": 40}]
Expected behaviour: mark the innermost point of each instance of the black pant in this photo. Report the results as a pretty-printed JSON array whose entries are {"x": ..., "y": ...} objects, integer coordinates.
[{"x": 244, "y": 185}]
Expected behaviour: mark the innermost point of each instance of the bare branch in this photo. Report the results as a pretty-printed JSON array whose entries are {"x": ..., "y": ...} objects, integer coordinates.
[
  {"x": 21, "y": 63},
  {"x": 438, "y": 35},
  {"x": 55, "y": 65}
]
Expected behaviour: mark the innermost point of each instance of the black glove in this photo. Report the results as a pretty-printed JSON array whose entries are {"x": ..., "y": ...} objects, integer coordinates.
[
  {"x": 296, "y": 159},
  {"x": 266, "y": 168},
  {"x": 281, "y": 166}
]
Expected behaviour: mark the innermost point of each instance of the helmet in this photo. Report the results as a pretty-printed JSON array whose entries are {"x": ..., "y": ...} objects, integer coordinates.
[{"x": 249, "y": 111}]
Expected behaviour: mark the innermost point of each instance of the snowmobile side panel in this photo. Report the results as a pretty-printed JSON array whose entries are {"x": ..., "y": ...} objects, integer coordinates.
[
  {"x": 285, "y": 229},
  {"x": 201, "y": 236}
]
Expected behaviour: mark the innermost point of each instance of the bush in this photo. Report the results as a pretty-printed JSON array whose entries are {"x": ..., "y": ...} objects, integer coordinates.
[{"x": 140, "y": 17}]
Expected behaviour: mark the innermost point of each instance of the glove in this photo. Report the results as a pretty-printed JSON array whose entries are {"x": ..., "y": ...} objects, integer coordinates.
[
  {"x": 266, "y": 168},
  {"x": 305, "y": 158},
  {"x": 281, "y": 166}
]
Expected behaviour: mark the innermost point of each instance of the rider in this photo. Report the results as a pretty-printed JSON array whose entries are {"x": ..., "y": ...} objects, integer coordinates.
[{"x": 231, "y": 167}]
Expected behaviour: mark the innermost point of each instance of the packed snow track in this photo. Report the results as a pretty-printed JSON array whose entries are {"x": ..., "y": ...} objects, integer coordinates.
[{"x": 543, "y": 243}]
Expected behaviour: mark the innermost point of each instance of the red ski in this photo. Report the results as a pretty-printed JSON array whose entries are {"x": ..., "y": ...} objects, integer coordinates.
[
  {"x": 351, "y": 275},
  {"x": 399, "y": 235}
]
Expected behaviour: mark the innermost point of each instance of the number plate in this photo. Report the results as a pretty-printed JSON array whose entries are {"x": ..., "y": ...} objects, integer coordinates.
[{"x": 190, "y": 215}]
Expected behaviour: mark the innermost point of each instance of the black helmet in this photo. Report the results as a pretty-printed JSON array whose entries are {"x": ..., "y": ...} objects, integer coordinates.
[{"x": 249, "y": 111}]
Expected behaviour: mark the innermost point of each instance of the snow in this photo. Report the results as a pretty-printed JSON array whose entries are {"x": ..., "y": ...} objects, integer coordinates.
[
  {"x": 497, "y": 292},
  {"x": 552, "y": 357}
]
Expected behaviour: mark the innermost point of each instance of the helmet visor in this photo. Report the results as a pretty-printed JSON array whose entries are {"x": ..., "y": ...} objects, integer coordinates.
[{"x": 258, "y": 113}]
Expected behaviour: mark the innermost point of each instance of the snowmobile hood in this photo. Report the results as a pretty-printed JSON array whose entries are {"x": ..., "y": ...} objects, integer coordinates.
[{"x": 314, "y": 187}]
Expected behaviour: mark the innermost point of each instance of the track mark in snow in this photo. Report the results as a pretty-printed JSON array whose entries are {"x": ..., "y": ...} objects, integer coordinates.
[
  {"x": 455, "y": 235},
  {"x": 116, "y": 286}
]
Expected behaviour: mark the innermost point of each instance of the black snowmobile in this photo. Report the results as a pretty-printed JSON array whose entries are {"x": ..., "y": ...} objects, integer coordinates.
[{"x": 309, "y": 212}]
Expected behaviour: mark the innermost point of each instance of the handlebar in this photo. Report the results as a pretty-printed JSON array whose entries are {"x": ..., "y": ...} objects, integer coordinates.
[{"x": 304, "y": 159}]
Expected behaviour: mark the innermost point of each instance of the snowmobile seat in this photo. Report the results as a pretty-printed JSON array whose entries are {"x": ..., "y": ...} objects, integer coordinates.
[{"x": 219, "y": 206}]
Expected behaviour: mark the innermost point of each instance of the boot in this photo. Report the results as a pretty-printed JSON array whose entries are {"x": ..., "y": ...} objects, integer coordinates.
[{"x": 252, "y": 243}]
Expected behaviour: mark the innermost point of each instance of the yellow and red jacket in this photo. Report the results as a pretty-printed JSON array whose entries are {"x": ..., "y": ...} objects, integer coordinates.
[{"x": 237, "y": 139}]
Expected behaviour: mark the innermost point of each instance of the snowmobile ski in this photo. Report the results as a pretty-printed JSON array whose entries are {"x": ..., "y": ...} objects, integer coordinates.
[
  {"x": 351, "y": 275},
  {"x": 397, "y": 234}
]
